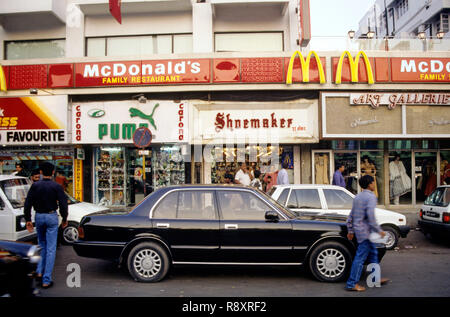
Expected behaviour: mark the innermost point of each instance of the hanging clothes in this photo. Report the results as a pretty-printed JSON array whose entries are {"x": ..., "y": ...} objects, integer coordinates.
[{"x": 400, "y": 182}]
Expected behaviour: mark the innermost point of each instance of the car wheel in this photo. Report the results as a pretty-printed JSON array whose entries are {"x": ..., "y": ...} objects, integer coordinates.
[
  {"x": 70, "y": 233},
  {"x": 330, "y": 262},
  {"x": 392, "y": 235},
  {"x": 148, "y": 262}
]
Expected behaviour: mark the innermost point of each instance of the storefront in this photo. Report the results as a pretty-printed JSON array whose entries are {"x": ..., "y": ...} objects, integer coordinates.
[
  {"x": 122, "y": 173},
  {"x": 261, "y": 134},
  {"x": 399, "y": 138},
  {"x": 33, "y": 130}
]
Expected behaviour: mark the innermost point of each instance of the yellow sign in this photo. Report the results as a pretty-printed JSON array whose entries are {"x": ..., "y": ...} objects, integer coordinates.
[
  {"x": 78, "y": 181},
  {"x": 305, "y": 67},
  {"x": 2, "y": 79},
  {"x": 354, "y": 65}
]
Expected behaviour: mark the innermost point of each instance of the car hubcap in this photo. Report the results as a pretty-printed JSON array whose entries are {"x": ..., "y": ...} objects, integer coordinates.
[
  {"x": 70, "y": 234},
  {"x": 331, "y": 263},
  {"x": 147, "y": 263},
  {"x": 390, "y": 239}
]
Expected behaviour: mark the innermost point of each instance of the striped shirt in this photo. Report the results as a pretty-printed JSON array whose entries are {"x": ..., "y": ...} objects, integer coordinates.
[{"x": 361, "y": 220}]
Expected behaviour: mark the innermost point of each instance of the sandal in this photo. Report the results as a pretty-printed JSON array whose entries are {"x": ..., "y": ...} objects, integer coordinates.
[{"x": 357, "y": 288}]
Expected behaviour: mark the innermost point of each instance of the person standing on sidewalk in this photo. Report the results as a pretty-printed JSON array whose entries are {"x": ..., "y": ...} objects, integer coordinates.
[
  {"x": 338, "y": 178},
  {"x": 45, "y": 196},
  {"x": 360, "y": 223}
]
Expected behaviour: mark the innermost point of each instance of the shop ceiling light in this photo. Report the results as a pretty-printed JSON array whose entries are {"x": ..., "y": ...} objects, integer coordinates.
[
  {"x": 351, "y": 34},
  {"x": 370, "y": 34},
  {"x": 421, "y": 35},
  {"x": 440, "y": 34}
]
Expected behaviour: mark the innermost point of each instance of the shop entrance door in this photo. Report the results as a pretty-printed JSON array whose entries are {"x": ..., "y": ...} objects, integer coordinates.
[
  {"x": 351, "y": 167},
  {"x": 425, "y": 175}
]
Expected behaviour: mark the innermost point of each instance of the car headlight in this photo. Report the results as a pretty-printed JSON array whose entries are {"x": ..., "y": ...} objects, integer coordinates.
[
  {"x": 34, "y": 254},
  {"x": 21, "y": 223}
]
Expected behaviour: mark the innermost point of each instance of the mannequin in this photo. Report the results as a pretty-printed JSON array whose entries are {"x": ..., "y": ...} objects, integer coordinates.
[
  {"x": 368, "y": 168},
  {"x": 400, "y": 182}
]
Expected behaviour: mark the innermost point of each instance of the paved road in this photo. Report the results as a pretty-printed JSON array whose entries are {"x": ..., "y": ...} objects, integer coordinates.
[{"x": 419, "y": 267}]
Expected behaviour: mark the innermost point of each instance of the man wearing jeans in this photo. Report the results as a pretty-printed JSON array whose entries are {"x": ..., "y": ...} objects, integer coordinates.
[
  {"x": 361, "y": 222},
  {"x": 45, "y": 196}
]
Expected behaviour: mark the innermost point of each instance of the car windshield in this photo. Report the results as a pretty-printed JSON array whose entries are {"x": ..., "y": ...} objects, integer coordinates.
[
  {"x": 16, "y": 190},
  {"x": 440, "y": 197},
  {"x": 286, "y": 211}
]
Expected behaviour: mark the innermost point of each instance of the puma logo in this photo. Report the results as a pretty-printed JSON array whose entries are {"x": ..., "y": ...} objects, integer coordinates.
[{"x": 138, "y": 113}]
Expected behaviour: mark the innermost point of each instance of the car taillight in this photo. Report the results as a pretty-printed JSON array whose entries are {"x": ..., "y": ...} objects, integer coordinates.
[
  {"x": 80, "y": 232},
  {"x": 446, "y": 217},
  {"x": 421, "y": 214}
]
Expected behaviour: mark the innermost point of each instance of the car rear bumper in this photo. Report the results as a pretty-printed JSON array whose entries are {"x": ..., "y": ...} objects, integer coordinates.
[
  {"x": 99, "y": 250},
  {"x": 404, "y": 230},
  {"x": 434, "y": 227},
  {"x": 28, "y": 237}
]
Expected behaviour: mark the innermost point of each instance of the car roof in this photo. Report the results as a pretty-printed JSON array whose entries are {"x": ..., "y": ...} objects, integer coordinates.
[
  {"x": 5, "y": 177},
  {"x": 206, "y": 186},
  {"x": 309, "y": 186}
]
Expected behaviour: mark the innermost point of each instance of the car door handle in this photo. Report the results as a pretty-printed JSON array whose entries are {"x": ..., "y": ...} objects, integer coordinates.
[
  {"x": 231, "y": 226},
  {"x": 163, "y": 225}
]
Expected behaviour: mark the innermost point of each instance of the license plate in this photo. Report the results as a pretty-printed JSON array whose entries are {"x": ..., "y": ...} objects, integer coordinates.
[{"x": 432, "y": 214}]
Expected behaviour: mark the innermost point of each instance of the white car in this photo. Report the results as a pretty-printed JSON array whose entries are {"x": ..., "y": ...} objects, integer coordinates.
[
  {"x": 13, "y": 192},
  {"x": 329, "y": 199},
  {"x": 77, "y": 210},
  {"x": 434, "y": 217}
]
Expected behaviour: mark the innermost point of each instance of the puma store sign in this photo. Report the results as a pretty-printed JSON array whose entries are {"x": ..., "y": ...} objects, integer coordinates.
[{"x": 115, "y": 122}]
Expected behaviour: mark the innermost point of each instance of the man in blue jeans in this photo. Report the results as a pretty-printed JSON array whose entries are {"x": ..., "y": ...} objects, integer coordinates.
[
  {"x": 361, "y": 222},
  {"x": 45, "y": 196}
]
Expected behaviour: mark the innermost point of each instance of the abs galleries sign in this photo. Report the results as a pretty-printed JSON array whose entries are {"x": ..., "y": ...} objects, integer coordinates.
[{"x": 114, "y": 122}]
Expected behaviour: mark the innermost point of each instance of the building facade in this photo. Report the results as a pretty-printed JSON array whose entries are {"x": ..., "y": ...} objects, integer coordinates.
[
  {"x": 406, "y": 19},
  {"x": 216, "y": 83}
]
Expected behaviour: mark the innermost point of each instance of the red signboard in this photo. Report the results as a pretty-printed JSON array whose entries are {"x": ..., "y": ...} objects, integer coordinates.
[
  {"x": 426, "y": 70},
  {"x": 262, "y": 70},
  {"x": 131, "y": 73},
  {"x": 227, "y": 70}
]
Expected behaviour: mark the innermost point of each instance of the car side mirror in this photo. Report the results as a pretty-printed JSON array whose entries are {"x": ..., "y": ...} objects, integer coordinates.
[{"x": 272, "y": 216}]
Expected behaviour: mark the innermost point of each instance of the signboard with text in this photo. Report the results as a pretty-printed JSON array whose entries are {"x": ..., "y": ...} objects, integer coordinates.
[
  {"x": 33, "y": 120},
  {"x": 115, "y": 122}
]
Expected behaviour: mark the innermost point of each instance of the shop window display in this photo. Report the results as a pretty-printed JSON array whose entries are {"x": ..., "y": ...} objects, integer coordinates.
[
  {"x": 226, "y": 162},
  {"x": 372, "y": 164},
  {"x": 110, "y": 176},
  {"x": 31, "y": 158},
  {"x": 400, "y": 186},
  {"x": 444, "y": 170},
  {"x": 168, "y": 167}
]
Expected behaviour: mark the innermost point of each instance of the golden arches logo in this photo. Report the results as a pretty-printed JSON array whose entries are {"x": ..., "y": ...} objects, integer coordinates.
[
  {"x": 2, "y": 79},
  {"x": 354, "y": 65},
  {"x": 305, "y": 67}
]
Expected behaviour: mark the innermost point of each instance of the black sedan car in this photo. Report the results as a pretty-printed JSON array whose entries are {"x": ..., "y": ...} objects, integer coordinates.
[
  {"x": 18, "y": 261},
  {"x": 215, "y": 225}
]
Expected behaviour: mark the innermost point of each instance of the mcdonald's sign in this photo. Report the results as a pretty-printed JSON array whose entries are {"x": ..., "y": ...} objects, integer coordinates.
[
  {"x": 354, "y": 67},
  {"x": 2, "y": 79},
  {"x": 305, "y": 66}
]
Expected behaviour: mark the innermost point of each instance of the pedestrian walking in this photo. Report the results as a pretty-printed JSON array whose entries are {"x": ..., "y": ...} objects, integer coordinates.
[
  {"x": 19, "y": 170},
  {"x": 242, "y": 176},
  {"x": 256, "y": 182},
  {"x": 283, "y": 177},
  {"x": 338, "y": 178},
  {"x": 360, "y": 223},
  {"x": 36, "y": 175},
  {"x": 45, "y": 196}
]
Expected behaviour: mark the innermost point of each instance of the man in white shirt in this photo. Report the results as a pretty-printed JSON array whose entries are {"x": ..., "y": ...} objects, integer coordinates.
[
  {"x": 242, "y": 176},
  {"x": 283, "y": 177}
]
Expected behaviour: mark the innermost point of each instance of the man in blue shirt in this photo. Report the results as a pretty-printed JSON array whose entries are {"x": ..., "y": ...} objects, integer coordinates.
[
  {"x": 338, "y": 179},
  {"x": 283, "y": 177},
  {"x": 360, "y": 223}
]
